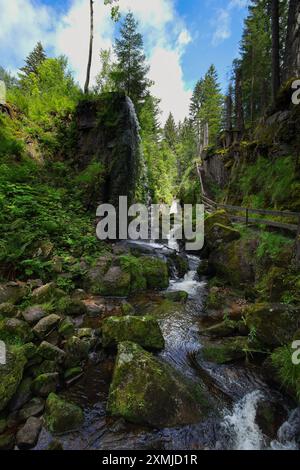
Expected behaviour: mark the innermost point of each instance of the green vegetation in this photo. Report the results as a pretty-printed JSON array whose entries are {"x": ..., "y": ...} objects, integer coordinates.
[{"x": 288, "y": 373}]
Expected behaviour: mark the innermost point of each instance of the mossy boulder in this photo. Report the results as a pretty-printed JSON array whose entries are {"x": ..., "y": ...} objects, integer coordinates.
[
  {"x": 71, "y": 307},
  {"x": 46, "y": 325},
  {"x": 221, "y": 234},
  {"x": 181, "y": 263},
  {"x": 50, "y": 352},
  {"x": 66, "y": 328},
  {"x": 44, "y": 384},
  {"x": 11, "y": 374},
  {"x": 14, "y": 331},
  {"x": 13, "y": 292},
  {"x": 235, "y": 262},
  {"x": 217, "y": 217},
  {"x": 225, "y": 351},
  {"x": 156, "y": 273},
  {"x": 46, "y": 293},
  {"x": 8, "y": 310},
  {"x": 176, "y": 296},
  {"x": 62, "y": 416},
  {"x": 77, "y": 350},
  {"x": 115, "y": 283},
  {"x": 222, "y": 329},
  {"x": 144, "y": 331},
  {"x": 274, "y": 324},
  {"x": 94, "y": 275},
  {"x": 22, "y": 395},
  {"x": 147, "y": 391},
  {"x": 127, "y": 308}
]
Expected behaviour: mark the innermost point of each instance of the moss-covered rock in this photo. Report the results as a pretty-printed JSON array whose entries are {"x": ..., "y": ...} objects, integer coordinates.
[
  {"x": 45, "y": 384},
  {"x": 46, "y": 325},
  {"x": 13, "y": 292},
  {"x": 66, "y": 328},
  {"x": 11, "y": 374},
  {"x": 274, "y": 324},
  {"x": 62, "y": 416},
  {"x": 181, "y": 263},
  {"x": 46, "y": 293},
  {"x": 50, "y": 352},
  {"x": 235, "y": 262},
  {"x": 13, "y": 330},
  {"x": 71, "y": 307},
  {"x": 127, "y": 308},
  {"x": 34, "y": 314},
  {"x": 22, "y": 395},
  {"x": 156, "y": 273},
  {"x": 144, "y": 331},
  {"x": 176, "y": 296},
  {"x": 225, "y": 351},
  {"x": 221, "y": 234},
  {"x": 115, "y": 283},
  {"x": 147, "y": 391},
  {"x": 223, "y": 329},
  {"x": 7, "y": 441},
  {"x": 77, "y": 350},
  {"x": 8, "y": 310}
]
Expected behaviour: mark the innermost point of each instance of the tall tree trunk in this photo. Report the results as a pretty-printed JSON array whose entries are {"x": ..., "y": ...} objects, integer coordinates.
[
  {"x": 292, "y": 45},
  {"x": 275, "y": 48},
  {"x": 88, "y": 74},
  {"x": 239, "y": 111}
]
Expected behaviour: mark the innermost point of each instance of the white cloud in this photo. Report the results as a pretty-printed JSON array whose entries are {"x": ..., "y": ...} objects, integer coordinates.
[
  {"x": 222, "y": 27},
  {"x": 24, "y": 22}
]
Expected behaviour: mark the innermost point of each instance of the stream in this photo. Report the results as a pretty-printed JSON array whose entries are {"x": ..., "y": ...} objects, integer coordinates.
[{"x": 236, "y": 389}]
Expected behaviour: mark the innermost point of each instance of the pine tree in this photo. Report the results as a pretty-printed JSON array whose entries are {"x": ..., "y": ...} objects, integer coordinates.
[
  {"x": 34, "y": 60},
  {"x": 211, "y": 110},
  {"x": 292, "y": 47},
  {"x": 132, "y": 70},
  {"x": 170, "y": 132},
  {"x": 275, "y": 48}
]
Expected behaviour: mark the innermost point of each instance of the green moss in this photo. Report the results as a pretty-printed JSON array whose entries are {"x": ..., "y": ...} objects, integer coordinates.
[
  {"x": 144, "y": 331},
  {"x": 11, "y": 374},
  {"x": 133, "y": 266},
  {"x": 156, "y": 272},
  {"x": 62, "y": 416}
]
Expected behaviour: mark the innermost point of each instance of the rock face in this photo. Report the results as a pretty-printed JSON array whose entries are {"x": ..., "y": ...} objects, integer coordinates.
[
  {"x": 108, "y": 133},
  {"x": 11, "y": 375},
  {"x": 62, "y": 416},
  {"x": 144, "y": 331},
  {"x": 147, "y": 391}
]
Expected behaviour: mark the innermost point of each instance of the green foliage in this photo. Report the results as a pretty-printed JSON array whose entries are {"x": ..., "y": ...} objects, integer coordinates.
[
  {"x": 33, "y": 61},
  {"x": 289, "y": 373},
  {"x": 271, "y": 245}
]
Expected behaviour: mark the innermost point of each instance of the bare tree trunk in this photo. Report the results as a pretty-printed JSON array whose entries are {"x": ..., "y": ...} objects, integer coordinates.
[
  {"x": 292, "y": 45},
  {"x": 88, "y": 74},
  {"x": 275, "y": 48},
  {"x": 239, "y": 112}
]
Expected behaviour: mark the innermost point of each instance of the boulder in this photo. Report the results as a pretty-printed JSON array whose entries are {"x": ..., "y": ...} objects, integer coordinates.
[
  {"x": 235, "y": 262},
  {"x": 50, "y": 352},
  {"x": 44, "y": 384},
  {"x": 34, "y": 407},
  {"x": 176, "y": 296},
  {"x": 274, "y": 324},
  {"x": 225, "y": 351},
  {"x": 46, "y": 325},
  {"x": 34, "y": 314},
  {"x": 71, "y": 307},
  {"x": 77, "y": 350},
  {"x": 22, "y": 395},
  {"x": 9, "y": 310},
  {"x": 127, "y": 308},
  {"x": 156, "y": 272},
  {"x": 28, "y": 435},
  {"x": 7, "y": 441},
  {"x": 94, "y": 276},
  {"x": 13, "y": 330},
  {"x": 45, "y": 367},
  {"x": 13, "y": 292},
  {"x": 46, "y": 293},
  {"x": 62, "y": 416},
  {"x": 115, "y": 283},
  {"x": 221, "y": 330},
  {"x": 66, "y": 328},
  {"x": 147, "y": 391},
  {"x": 144, "y": 331},
  {"x": 11, "y": 375}
]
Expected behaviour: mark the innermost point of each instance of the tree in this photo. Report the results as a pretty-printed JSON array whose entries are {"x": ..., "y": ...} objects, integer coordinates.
[
  {"x": 292, "y": 46},
  {"x": 275, "y": 48},
  {"x": 238, "y": 99},
  {"x": 104, "y": 82},
  {"x": 115, "y": 17},
  {"x": 33, "y": 61},
  {"x": 170, "y": 132},
  {"x": 9, "y": 80},
  {"x": 211, "y": 110},
  {"x": 131, "y": 71}
]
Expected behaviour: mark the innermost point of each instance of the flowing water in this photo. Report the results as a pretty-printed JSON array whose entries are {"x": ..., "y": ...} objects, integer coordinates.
[{"x": 236, "y": 389}]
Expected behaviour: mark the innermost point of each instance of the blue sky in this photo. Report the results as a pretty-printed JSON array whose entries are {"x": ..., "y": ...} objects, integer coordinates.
[{"x": 182, "y": 38}]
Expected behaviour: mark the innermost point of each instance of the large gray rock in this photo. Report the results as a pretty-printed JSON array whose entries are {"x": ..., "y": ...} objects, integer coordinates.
[
  {"x": 12, "y": 292},
  {"x": 46, "y": 325},
  {"x": 28, "y": 435},
  {"x": 34, "y": 314}
]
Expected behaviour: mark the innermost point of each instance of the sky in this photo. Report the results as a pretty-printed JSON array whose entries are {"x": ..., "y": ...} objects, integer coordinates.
[{"x": 182, "y": 38}]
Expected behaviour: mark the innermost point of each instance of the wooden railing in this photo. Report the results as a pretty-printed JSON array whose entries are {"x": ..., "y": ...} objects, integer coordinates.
[{"x": 244, "y": 214}]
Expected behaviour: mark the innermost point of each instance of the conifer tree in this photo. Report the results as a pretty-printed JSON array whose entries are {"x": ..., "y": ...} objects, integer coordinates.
[
  {"x": 34, "y": 60},
  {"x": 170, "y": 132},
  {"x": 131, "y": 68}
]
